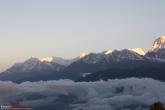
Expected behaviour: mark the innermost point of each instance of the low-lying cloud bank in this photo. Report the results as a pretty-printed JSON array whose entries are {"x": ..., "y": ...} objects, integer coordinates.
[{"x": 125, "y": 94}]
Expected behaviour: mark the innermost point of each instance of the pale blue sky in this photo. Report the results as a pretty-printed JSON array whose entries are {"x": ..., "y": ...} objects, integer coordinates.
[{"x": 67, "y": 27}]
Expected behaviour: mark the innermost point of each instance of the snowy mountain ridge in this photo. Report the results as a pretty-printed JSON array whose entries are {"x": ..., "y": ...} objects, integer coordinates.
[{"x": 156, "y": 53}]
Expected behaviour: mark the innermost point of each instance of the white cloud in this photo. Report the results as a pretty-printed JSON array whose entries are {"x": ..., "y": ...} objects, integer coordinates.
[{"x": 125, "y": 94}]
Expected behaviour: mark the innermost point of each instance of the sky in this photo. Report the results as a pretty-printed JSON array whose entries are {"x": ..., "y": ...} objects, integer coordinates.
[{"x": 65, "y": 28}]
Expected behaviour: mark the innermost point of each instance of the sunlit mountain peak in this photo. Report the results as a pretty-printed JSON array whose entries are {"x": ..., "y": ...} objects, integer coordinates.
[
  {"x": 158, "y": 44},
  {"x": 140, "y": 51},
  {"x": 162, "y": 38},
  {"x": 83, "y": 54},
  {"x": 108, "y": 51},
  {"x": 47, "y": 59}
]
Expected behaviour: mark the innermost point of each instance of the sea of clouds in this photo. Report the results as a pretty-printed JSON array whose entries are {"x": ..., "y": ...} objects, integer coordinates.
[{"x": 123, "y": 94}]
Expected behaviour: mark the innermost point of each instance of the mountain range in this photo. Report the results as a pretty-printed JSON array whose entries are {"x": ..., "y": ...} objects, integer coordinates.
[{"x": 93, "y": 66}]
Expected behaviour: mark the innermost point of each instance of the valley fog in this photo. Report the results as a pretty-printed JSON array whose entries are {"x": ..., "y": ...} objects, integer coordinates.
[{"x": 123, "y": 94}]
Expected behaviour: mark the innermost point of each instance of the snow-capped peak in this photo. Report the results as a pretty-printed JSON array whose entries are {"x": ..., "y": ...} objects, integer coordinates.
[
  {"x": 108, "y": 52},
  {"x": 83, "y": 54},
  {"x": 47, "y": 59},
  {"x": 139, "y": 51},
  {"x": 32, "y": 61},
  {"x": 34, "y": 64},
  {"x": 58, "y": 60},
  {"x": 126, "y": 54},
  {"x": 158, "y": 44}
]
